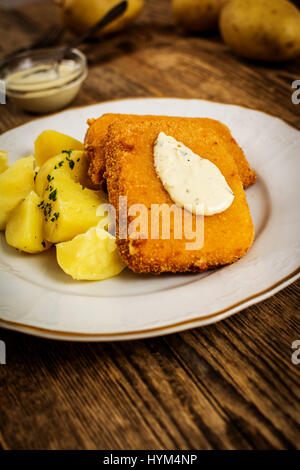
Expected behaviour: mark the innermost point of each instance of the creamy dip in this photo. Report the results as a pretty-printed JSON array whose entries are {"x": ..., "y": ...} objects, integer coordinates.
[
  {"x": 43, "y": 77},
  {"x": 191, "y": 181}
]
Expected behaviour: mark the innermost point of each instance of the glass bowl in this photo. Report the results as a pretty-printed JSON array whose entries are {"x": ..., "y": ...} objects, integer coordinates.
[{"x": 37, "y": 82}]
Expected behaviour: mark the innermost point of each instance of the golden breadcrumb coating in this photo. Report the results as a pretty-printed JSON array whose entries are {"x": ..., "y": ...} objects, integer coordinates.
[
  {"x": 96, "y": 137},
  {"x": 130, "y": 172}
]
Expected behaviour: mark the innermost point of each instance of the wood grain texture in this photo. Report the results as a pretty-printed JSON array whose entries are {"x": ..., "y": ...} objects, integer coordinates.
[{"x": 226, "y": 386}]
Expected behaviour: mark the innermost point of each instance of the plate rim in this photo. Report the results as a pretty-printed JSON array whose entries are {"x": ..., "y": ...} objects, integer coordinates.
[
  {"x": 158, "y": 331},
  {"x": 167, "y": 329},
  {"x": 40, "y": 117}
]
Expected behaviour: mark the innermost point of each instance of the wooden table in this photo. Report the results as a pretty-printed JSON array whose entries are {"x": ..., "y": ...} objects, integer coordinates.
[{"x": 229, "y": 385}]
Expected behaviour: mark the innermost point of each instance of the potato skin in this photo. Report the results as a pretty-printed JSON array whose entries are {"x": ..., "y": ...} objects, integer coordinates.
[
  {"x": 80, "y": 15},
  {"x": 261, "y": 30},
  {"x": 197, "y": 15}
]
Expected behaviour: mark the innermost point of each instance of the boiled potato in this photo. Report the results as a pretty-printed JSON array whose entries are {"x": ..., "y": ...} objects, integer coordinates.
[
  {"x": 75, "y": 163},
  {"x": 24, "y": 228},
  {"x": 80, "y": 15},
  {"x": 69, "y": 208},
  {"x": 15, "y": 183},
  {"x": 3, "y": 161},
  {"x": 197, "y": 15},
  {"x": 50, "y": 143},
  {"x": 92, "y": 256},
  {"x": 262, "y": 29}
]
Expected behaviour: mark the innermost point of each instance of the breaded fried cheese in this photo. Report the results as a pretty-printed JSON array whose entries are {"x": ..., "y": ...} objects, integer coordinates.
[
  {"x": 130, "y": 172},
  {"x": 94, "y": 143},
  {"x": 96, "y": 137}
]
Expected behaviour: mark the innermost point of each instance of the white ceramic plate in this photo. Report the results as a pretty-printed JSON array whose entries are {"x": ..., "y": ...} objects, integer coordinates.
[{"x": 37, "y": 297}]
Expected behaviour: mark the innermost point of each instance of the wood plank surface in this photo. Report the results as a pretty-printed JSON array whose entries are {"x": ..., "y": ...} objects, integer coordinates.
[{"x": 226, "y": 386}]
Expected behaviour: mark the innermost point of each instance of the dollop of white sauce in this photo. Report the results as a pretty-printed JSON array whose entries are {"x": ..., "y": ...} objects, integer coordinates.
[{"x": 191, "y": 181}]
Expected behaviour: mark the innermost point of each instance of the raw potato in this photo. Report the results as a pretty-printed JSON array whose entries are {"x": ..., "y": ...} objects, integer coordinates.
[
  {"x": 24, "y": 228},
  {"x": 197, "y": 15},
  {"x": 50, "y": 143},
  {"x": 74, "y": 163},
  {"x": 80, "y": 15},
  {"x": 3, "y": 161},
  {"x": 69, "y": 209},
  {"x": 15, "y": 184},
  {"x": 92, "y": 256},
  {"x": 261, "y": 29}
]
